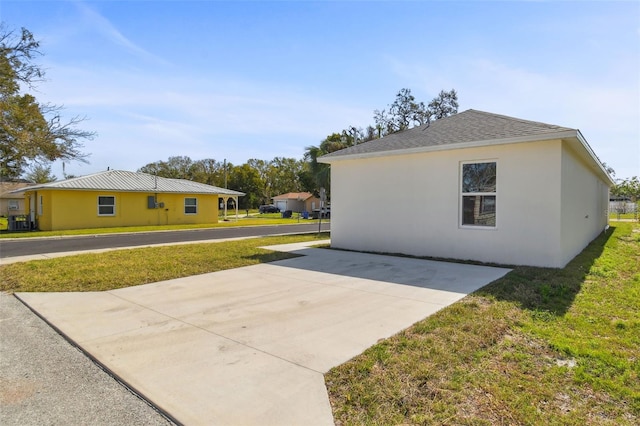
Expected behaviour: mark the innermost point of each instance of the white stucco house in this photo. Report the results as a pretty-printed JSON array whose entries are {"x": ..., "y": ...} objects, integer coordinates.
[{"x": 472, "y": 186}]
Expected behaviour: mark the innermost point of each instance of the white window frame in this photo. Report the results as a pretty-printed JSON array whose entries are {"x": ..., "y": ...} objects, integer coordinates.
[
  {"x": 13, "y": 205},
  {"x": 195, "y": 205},
  {"x": 469, "y": 194},
  {"x": 113, "y": 206}
]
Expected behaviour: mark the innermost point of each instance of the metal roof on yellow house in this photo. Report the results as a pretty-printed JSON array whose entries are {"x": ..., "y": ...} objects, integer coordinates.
[{"x": 119, "y": 180}]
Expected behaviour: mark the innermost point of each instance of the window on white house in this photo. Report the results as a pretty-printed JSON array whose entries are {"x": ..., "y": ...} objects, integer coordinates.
[
  {"x": 190, "y": 206},
  {"x": 479, "y": 194},
  {"x": 106, "y": 206},
  {"x": 13, "y": 205}
]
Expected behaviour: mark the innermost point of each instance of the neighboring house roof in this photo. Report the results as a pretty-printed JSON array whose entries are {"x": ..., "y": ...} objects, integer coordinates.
[
  {"x": 468, "y": 129},
  {"x": 7, "y": 189},
  {"x": 119, "y": 180},
  {"x": 298, "y": 196}
]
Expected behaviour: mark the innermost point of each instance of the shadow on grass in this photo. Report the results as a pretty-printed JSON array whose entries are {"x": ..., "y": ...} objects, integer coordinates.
[
  {"x": 548, "y": 290},
  {"x": 271, "y": 256}
]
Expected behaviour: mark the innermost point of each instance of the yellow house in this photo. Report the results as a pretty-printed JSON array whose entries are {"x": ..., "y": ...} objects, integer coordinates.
[{"x": 120, "y": 198}]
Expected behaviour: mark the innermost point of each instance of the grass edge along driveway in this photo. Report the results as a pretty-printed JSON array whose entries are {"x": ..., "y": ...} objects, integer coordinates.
[
  {"x": 539, "y": 346},
  {"x": 130, "y": 267}
]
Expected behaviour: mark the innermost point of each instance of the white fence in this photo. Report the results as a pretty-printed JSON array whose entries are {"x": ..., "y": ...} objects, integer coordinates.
[{"x": 622, "y": 207}]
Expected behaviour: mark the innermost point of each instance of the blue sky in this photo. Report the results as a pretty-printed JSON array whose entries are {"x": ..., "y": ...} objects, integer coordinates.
[{"x": 260, "y": 79}]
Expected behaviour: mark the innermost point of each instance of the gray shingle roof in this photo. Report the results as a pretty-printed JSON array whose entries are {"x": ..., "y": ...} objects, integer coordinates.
[
  {"x": 119, "y": 180},
  {"x": 460, "y": 129}
]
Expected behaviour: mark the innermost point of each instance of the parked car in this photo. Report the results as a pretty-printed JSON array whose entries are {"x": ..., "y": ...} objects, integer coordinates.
[
  {"x": 269, "y": 208},
  {"x": 325, "y": 213}
]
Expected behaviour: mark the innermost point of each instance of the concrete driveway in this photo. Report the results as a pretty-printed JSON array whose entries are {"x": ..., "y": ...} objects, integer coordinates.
[{"x": 250, "y": 345}]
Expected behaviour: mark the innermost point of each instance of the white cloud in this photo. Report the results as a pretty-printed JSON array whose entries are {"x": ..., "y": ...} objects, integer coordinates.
[
  {"x": 95, "y": 22},
  {"x": 144, "y": 118}
]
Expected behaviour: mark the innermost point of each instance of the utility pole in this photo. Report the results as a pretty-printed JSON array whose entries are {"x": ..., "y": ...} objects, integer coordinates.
[
  {"x": 225, "y": 173},
  {"x": 323, "y": 197}
]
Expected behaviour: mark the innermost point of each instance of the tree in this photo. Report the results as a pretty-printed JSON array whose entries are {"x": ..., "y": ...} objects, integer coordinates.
[
  {"x": 443, "y": 105},
  {"x": 262, "y": 169},
  {"x": 320, "y": 171},
  {"x": 40, "y": 173},
  {"x": 609, "y": 169},
  {"x": 370, "y": 134},
  {"x": 629, "y": 187},
  {"x": 283, "y": 174},
  {"x": 178, "y": 167},
  {"x": 306, "y": 178},
  {"x": 30, "y": 132},
  {"x": 405, "y": 112},
  {"x": 209, "y": 171},
  {"x": 258, "y": 179},
  {"x": 246, "y": 179},
  {"x": 277, "y": 176}
]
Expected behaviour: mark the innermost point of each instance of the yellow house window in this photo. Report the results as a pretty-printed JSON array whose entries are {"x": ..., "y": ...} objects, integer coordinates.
[
  {"x": 190, "y": 206},
  {"x": 106, "y": 206}
]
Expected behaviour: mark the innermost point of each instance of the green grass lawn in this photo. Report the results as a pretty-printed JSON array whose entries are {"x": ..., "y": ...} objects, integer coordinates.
[
  {"x": 255, "y": 220},
  {"x": 616, "y": 216},
  {"x": 539, "y": 346},
  {"x": 126, "y": 268}
]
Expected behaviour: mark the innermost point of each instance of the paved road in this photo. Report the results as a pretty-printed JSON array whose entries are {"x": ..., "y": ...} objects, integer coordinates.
[{"x": 29, "y": 246}]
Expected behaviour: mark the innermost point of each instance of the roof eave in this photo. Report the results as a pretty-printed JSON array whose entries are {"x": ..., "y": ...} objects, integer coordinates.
[
  {"x": 473, "y": 144},
  {"x": 31, "y": 188},
  {"x": 600, "y": 169}
]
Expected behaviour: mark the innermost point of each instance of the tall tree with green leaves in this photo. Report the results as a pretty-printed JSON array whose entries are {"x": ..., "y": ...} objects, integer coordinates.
[
  {"x": 629, "y": 187},
  {"x": 246, "y": 179},
  {"x": 40, "y": 173},
  {"x": 284, "y": 173},
  {"x": 176, "y": 167},
  {"x": 262, "y": 169},
  {"x": 30, "y": 132},
  {"x": 209, "y": 171},
  {"x": 259, "y": 179},
  {"x": 320, "y": 171}
]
